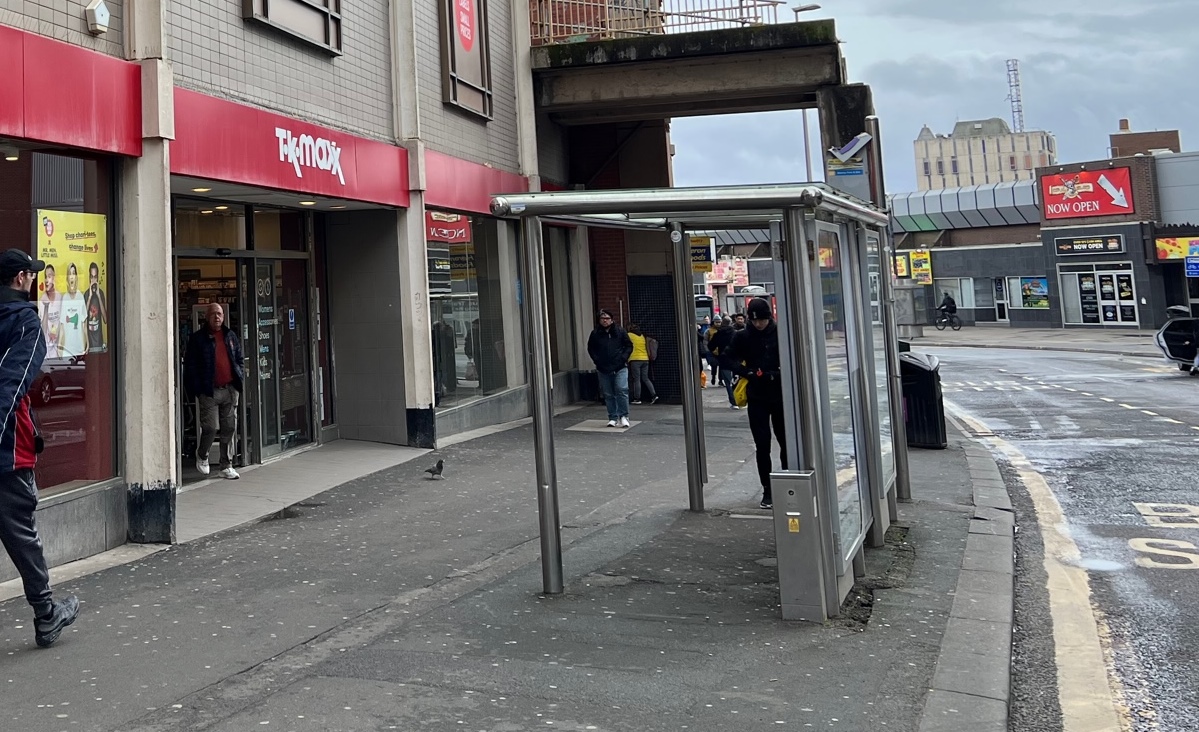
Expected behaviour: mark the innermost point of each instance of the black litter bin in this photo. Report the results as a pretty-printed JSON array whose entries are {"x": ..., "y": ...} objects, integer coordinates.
[
  {"x": 905, "y": 347},
  {"x": 923, "y": 405}
]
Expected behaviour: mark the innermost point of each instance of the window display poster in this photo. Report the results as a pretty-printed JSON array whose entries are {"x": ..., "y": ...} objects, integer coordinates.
[
  {"x": 1089, "y": 298},
  {"x": 922, "y": 266},
  {"x": 1177, "y": 248},
  {"x": 1128, "y": 313},
  {"x": 901, "y": 266},
  {"x": 1034, "y": 292},
  {"x": 1107, "y": 287},
  {"x": 72, "y": 299},
  {"x": 1124, "y": 286},
  {"x": 1109, "y": 313}
]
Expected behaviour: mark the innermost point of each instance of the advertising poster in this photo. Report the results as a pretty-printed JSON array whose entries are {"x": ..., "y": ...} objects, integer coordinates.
[
  {"x": 1177, "y": 248},
  {"x": 922, "y": 266},
  {"x": 1088, "y": 193},
  {"x": 72, "y": 297},
  {"x": 1034, "y": 292},
  {"x": 901, "y": 266},
  {"x": 1090, "y": 298},
  {"x": 701, "y": 254}
]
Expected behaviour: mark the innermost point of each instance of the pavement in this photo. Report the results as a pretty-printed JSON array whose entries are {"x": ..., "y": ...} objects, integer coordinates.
[
  {"x": 1121, "y": 342},
  {"x": 395, "y": 602}
]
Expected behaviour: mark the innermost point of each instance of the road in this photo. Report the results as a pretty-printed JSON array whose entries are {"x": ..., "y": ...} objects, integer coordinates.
[{"x": 1106, "y": 592}]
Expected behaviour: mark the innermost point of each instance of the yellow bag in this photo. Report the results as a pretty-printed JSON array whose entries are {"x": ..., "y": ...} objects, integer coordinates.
[
  {"x": 703, "y": 379},
  {"x": 741, "y": 392}
]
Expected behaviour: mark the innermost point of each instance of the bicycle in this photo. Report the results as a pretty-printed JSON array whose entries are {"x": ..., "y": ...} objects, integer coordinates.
[{"x": 952, "y": 320}]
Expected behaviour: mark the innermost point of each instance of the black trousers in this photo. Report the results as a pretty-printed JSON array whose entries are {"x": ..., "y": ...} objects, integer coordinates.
[
  {"x": 761, "y": 417},
  {"x": 18, "y": 532}
]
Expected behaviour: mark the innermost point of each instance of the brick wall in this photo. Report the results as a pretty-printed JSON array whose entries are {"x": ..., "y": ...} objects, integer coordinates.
[
  {"x": 608, "y": 269},
  {"x": 457, "y": 132},
  {"x": 1131, "y": 143},
  {"x": 64, "y": 20},
  {"x": 213, "y": 50},
  {"x": 1143, "y": 172}
]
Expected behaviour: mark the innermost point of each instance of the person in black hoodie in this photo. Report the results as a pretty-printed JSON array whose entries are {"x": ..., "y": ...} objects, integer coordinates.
[
  {"x": 753, "y": 354},
  {"x": 22, "y": 350},
  {"x": 609, "y": 347},
  {"x": 717, "y": 345}
]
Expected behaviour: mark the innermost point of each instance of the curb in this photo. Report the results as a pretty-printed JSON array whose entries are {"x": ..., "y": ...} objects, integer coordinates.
[
  {"x": 972, "y": 682},
  {"x": 1021, "y": 347}
]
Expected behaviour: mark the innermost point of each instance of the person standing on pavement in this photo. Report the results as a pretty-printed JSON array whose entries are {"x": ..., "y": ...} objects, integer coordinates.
[
  {"x": 717, "y": 345},
  {"x": 609, "y": 347},
  {"x": 22, "y": 350},
  {"x": 753, "y": 354},
  {"x": 213, "y": 374},
  {"x": 639, "y": 367}
]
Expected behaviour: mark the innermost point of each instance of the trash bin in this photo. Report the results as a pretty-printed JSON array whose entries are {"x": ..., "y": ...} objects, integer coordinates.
[
  {"x": 589, "y": 389},
  {"x": 905, "y": 346},
  {"x": 923, "y": 405}
]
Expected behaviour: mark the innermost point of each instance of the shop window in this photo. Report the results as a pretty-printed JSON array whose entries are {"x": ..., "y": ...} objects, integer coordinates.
[
  {"x": 1028, "y": 293},
  {"x": 961, "y": 289},
  {"x": 279, "y": 230},
  {"x": 66, "y": 202},
  {"x": 209, "y": 225},
  {"x": 476, "y": 328}
]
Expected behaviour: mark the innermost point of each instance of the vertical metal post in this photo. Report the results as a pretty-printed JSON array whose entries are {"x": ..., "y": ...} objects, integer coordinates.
[
  {"x": 541, "y": 402},
  {"x": 684, "y": 305},
  {"x": 899, "y": 433},
  {"x": 804, "y": 401}
]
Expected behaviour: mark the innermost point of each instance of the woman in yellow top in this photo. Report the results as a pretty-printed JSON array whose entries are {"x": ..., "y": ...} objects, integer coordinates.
[{"x": 639, "y": 367}]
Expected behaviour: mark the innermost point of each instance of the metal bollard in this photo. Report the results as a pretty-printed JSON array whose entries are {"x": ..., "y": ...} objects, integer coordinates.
[{"x": 797, "y": 541}]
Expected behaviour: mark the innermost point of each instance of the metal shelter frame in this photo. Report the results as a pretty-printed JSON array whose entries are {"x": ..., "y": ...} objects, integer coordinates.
[{"x": 815, "y": 561}]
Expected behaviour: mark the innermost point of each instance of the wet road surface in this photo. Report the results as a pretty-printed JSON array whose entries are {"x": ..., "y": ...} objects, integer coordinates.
[{"x": 1116, "y": 441}]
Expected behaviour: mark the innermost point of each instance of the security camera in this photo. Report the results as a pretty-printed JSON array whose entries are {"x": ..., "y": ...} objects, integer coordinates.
[{"x": 98, "y": 16}]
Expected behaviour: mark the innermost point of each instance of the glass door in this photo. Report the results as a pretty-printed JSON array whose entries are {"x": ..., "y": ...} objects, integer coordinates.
[
  {"x": 282, "y": 355},
  {"x": 1001, "y": 302}
]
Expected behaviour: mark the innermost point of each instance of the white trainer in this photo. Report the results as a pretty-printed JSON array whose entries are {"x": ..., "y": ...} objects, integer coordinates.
[
  {"x": 624, "y": 421},
  {"x": 202, "y": 465},
  {"x": 230, "y": 474},
  {"x": 611, "y": 423}
]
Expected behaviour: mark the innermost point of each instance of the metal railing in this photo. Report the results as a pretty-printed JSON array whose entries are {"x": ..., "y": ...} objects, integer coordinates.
[{"x": 572, "y": 21}]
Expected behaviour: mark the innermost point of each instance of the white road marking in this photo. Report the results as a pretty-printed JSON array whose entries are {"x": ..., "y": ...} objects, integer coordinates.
[
  {"x": 1069, "y": 389},
  {"x": 1085, "y": 689},
  {"x": 1127, "y": 406},
  {"x": 1107, "y": 399},
  {"x": 1087, "y": 393},
  {"x": 1151, "y": 414},
  {"x": 1171, "y": 421}
]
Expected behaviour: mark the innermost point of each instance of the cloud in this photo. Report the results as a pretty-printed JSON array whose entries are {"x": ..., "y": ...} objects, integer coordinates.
[{"x": 1085, "y": 64}]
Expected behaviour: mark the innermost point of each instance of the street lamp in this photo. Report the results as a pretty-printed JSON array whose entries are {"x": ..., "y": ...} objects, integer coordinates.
[{"x": 804, "y": 8}]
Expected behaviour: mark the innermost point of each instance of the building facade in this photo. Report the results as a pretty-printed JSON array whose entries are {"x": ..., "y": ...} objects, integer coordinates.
[{"x": 980, "y": 152}]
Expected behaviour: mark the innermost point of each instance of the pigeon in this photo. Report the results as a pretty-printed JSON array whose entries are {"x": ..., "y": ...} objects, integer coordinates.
[{"x": 435, "y": 471}]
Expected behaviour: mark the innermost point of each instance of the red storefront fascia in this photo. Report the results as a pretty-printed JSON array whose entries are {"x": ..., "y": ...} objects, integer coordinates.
[{"x": 60, "y": 94}]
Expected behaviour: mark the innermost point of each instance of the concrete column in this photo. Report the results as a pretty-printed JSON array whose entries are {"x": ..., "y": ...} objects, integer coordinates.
[
  {"x": 512, "y": 301},
  {"x": 526, "y": 111},
  {"x": 584, "y": 299},
  {"x": 416, "y": 325},
  {"x": 149, "y": 352}
]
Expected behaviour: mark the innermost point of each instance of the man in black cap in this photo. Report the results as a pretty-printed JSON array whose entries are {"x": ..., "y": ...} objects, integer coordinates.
[
  {"x": 753, "y": 354},
  {"x": 22, "y": 350}
]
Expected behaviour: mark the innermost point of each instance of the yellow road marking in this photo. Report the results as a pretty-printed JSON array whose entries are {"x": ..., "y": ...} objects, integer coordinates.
[{"x": 1086, "y": 692}]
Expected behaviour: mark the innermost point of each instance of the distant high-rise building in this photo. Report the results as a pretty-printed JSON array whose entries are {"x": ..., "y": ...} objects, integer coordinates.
[
  {"x": 981, "y": 151},
  {"x": 1126, "y": 142}
]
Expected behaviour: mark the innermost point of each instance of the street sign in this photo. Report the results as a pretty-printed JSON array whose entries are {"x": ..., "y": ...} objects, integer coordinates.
[
  {"x": 1192, "y": 266},
  {"x": 1110, "y": 244}
]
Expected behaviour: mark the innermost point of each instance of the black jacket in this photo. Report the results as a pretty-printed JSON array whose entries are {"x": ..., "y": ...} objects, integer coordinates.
[
  {"x": 609, "y": 348},
  {"x": 22, "y": 350},
  {"x": 199, "y": 361},
  {"x": 722, "y": 339},
  {"x": 754, "y": 355}
]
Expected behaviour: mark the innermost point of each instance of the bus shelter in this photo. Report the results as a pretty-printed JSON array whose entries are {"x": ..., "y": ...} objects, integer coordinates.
[{"x": 837, "y": 338}]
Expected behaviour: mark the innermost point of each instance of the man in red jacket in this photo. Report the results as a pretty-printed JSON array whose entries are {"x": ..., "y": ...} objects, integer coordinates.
[{"x": 22, "y": 350}]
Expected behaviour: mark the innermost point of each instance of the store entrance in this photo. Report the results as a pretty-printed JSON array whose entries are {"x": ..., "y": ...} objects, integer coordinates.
[{"x": 266, "y": 306}]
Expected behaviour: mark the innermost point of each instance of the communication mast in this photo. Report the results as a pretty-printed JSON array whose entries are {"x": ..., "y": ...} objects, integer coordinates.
[{"x": 1013, "y": 84}]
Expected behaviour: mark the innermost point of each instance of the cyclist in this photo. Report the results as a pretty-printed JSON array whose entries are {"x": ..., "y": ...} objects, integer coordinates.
[{"x": 948, "y": 306}]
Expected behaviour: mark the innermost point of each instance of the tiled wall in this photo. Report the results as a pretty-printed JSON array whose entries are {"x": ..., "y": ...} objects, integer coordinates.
[
  {"x": 64, "y": 20},
  {"x": 213, "y": 50},
  {"x": 454, "y": 131}
]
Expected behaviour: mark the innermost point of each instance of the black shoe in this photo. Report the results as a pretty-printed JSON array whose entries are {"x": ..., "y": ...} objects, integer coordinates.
[
  {"x": 766, "y": 504},
  {"x": 654, "y": 400},
  {"x": 63, "y": 613}
]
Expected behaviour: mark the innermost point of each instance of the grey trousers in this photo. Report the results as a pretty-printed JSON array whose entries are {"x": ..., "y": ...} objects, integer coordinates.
[
  {"x": 639, "y": 377},
  {"x": 18, "y": 532},
  {"x": 218, "y": 412}
]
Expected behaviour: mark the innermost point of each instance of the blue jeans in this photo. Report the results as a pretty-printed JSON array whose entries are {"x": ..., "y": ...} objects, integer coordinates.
[{"x": 616, "y": 393}]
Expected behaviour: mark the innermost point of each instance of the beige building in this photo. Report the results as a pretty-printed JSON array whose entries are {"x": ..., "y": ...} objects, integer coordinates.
[{"x": 978, "y": 152}]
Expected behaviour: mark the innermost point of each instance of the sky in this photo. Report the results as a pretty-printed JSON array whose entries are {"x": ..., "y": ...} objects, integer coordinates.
[{"x": 1085, "y": 65}]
